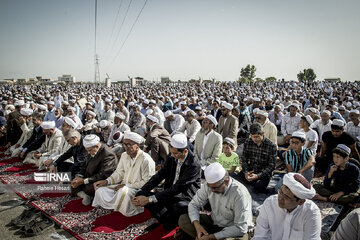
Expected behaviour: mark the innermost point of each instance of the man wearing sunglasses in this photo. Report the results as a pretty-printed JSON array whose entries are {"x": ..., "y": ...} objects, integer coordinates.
[{"x": 290, "y": 214}]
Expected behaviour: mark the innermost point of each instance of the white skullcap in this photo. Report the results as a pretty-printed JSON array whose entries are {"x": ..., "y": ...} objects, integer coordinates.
[
  {"x": 212, "y": 119},
  {"x": 236, "y": 101},
  {"x": 72, "y": 109},
  {"x": 103, "y": 123},
  {"x": 133, "y": 137},
  {"x": 256, "y": 99},
  {"x": 355, "y": 111},
  {"x": 149, "y": 112},
  {"x": 90, "y": 140},
  {"x": 41, "y": 107},
  {"x": 168, "y": 113},
  {"x": 214, "y": 172},
  {"x": 343, "y": 148},
  {"x": 51, "y": 103},
  {"x": 348, "y": 104},
  {"x": 65, "y": 103},
  {"x": 227, "y": 105},
  {"x": 117, "y": 137},
  {"x": 179, "y": 140},
  {"x": 277, "y": 101},
  {"x": 299, "y": 134},
  {"x": 299, "y": 186},
  {"x": 356, "y": 104},
  {"x": 338, "y": 122},
  {"x": 198, "y": 108},
  {"x": 183, "y": 103},
  {"x": 70, "y": 122},
  {"x": 120, "y": 115},
  {"x": 131, "y": 104},
  {"x": 72, "y": 101},
  {"x": 230, "y": 140},
  {"x": 341, "y": 108},
  {"x": 312, "y": 110},
  {"x": 91, "y": 113},
  {"x": 19, "y": 103},
  {"x": 327, "y": 112},
  {"x": 146, "y": 101},
  {"x": 10, "y": 106},
  {"x": 152, "y": 118},
  {"x": 26, "y": 111},
  {"x": 48, "y": 125},
  {"x": 262, "y": 113},
  {"x": 309, "y": 119},
  {"x": 152, "y": 101}
]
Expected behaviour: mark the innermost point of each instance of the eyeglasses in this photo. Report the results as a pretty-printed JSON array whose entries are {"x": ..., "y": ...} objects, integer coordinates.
[
  {"x": 217, "y": 187},
  {"x": 127, "y": 145}
]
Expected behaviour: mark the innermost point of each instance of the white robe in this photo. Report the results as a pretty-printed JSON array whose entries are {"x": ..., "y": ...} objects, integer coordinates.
[
  {"x": 64, "y": 146},
  {"x": 26, "y": 134},
  {"x": 134, "y": 173}
]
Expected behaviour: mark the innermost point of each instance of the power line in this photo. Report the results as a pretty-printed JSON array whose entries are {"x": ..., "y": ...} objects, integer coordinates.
[
  {"x": 122, "y": 23},
  {"x": 113, "y": 27},
  {"x": 97, "y": 70},
  {"x": 132, "y": 27}
]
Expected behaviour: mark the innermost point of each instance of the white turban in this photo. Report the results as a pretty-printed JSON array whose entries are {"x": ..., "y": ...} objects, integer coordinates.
[
  {"x": 214, "y": 172},
  {"x": 90, "y": 140},
  {"x": 179, "y": 140},
  {"x": 91, "y": 113},
  {"x": 212, "y": 119},
  {"x": 19, "y": 103},
  {"x": 48, "y": 125},
  {"x": 70, "y": 122},
  {"x": 26, "y": 111},
  {"x": 117, "y": 137},
  {"x": 50, "y": 103},
  {"x": 168, "y": 113},
  {"x": 120, "y": 115},
  {"x": 327, "y": 112},
  {"x": 72, "y": 109},
  {"x": 133, "y": 137},
  {"x": 103, "y": 123},
  {"x": 299, "y": 186},
  {"x": 152, "y": 118},
  {"x": 262, "y": 113},
  {"x": 41, "y": 107},
  {"x": 227, "y": 105}
]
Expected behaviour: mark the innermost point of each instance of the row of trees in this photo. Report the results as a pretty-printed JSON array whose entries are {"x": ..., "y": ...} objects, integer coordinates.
[{"x": 247, "y": 74}]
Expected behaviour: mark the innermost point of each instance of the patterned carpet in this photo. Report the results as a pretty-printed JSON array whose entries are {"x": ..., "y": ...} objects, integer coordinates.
[{"x": 83, "y": 222}]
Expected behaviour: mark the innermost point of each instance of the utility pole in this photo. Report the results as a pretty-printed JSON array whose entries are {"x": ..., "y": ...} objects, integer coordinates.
[{"x": 97, "y": 70}]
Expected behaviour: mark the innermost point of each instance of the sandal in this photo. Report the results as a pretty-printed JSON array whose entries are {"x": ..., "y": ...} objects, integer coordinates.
[
  {"x": 39, "y": 227},
  {"x": 30, "y": 217}
]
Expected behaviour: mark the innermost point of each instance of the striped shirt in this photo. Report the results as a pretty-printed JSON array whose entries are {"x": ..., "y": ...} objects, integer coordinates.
[
  {"x": 297, "y": 161},
  {"x": 353, "y": 130}
]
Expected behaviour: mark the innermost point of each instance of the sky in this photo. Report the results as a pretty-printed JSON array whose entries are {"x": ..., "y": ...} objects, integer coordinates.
[{"x": 181, "y": 39}]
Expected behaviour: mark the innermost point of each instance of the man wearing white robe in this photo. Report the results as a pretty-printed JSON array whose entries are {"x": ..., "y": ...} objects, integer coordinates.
[
  {"x": 118, "y": 126},
  {"x": 50, "y": 146},
  {"x": 135, "y": 168}
]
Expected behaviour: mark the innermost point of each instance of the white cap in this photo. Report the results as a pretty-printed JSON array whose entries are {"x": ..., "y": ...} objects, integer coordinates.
[
  {"x": 146, "y": 101},
  {"x": 214, "y": 172},
  {"x": 103, "y": 123},
  {"x": 50, "y": 103},
  {"x": 299, "y": 134},
  {"x": 90, "y": 140},
  {"x": 152, "y": 118},
  {"x": 198, "y": 108},
  {"x": 70, "y": 122},
  {"x": 168, "y": 113},
  {"x": 19, "y": 103},
  {"x": 120, "y": 115},
  {"x": 229, "y": 140},
  {"x": 26, "y": 112},
  {"x": 338, "y": 122},
  {"x": 348, "y": 104},
  {"x": 133, "y": 137},
  {"x": 327, "y": 112},
  {"x": 256, "y": 99},
  {"x": 354, "y": 111},
  {"x": 179, "y": 140},
  {"x": 299, "y": 186},
  {"x": 48, "y": 125},
  {"x": 227, "y": 105},
  {"x": 41, "y": 107},
  {"x": 212, "y": 119},
  {"x": 309, "y": 119},
  {"x": 183, "y": 103},
  {"x": 149, "y": 112},
  {"x": 312, "y": 109},
  {"x": 262, "y": 113},
  {"x": 91, "y": 113}
]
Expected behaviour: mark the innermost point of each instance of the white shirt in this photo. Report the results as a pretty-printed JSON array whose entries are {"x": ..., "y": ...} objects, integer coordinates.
[
  {"x": 191, "y": 129},
  {"x": 311, "y": 136},
  {"x": 206, "y": 137},
  {"x": 321, "y": 127},
  {"x": 275, "y": 223},
  {"x": 290, "y": 124},
  {"x": 176, "y": 123}
]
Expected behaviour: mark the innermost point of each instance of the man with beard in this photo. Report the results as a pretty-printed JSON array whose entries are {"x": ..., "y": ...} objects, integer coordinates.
[
  {"x": 290, "y": 123},
  {"x": 122, "y": 109},
  {"x": 50, "y": 115},
  {"x": 230, "y": 202},
  {"x": 59, "y": 117},
  {"x": 108, "y": 114},
  {"x": 228, "y": 123},
  {"x": 157, "y": 140},
  {"x": 137, "y": 122},
  {"x": 322, "y": 125},
  {"x": 118, "y": 126},
  {"x": 208, "y": 143}
]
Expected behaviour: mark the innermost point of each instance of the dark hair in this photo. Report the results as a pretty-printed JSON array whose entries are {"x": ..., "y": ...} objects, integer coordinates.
[
  {"x": 340, "y": 152},
  {"x": 256, "y": 128},
  {"x": 300, "y": 139},
  {"x": 38, "y": 116},
  {"x": 336, "y": 127}
]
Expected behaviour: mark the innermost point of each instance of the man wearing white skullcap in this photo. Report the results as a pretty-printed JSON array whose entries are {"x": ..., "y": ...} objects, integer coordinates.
[
  {"x": 50, "y": 146},
  {"x": 118, "y": 126},
  {"x": 330, "y": 140},
  {"x": 191, "y": 127},
  {"x": 90, "y": 123},
  {"x": 134, "y": 169},
  {"x": 228, "y": 123},
  {"x": 103, "y": 130},
  {"x": 122, "y": 109},
  {"x": 100, "y": 163},
  {"x": 230, "y": 202},
  {"x": 181, "y": 172},
  {"x": 50, "y": 115},
  {"x": 108, "y": 114},
  {"x": 290, "y": 123},
  {"x": 353, "y": 126},
  {"x": 270, "y": 130},
  {"x": 182, "y": 109},
  {"x": 157, "y": 140},
  {"x": 173, "y": 122},
  {"x": 290, "y": 214},
  {"x": 322, "y": 125},
  {"x": 208, "y": 143},
  {"x": 311, "y": 140}
]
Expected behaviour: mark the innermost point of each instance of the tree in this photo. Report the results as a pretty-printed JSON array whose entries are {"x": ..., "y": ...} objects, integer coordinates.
[
  {"x": 308, "y": 75},
  {"x": 270, "y": 79},
  {"x": 248, "y": 73}
]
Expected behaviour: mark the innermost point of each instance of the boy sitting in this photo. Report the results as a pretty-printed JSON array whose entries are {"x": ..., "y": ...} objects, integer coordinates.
[
  {"x": 229, "y": 159},
  {"x": 342, "y": 179}
]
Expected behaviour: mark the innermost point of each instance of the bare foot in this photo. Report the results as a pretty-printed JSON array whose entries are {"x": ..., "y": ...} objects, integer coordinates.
[{"x": 320, "y": 198}]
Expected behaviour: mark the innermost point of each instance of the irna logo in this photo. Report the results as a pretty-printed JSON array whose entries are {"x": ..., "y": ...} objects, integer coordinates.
[{"x": 52, "y": 177}]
